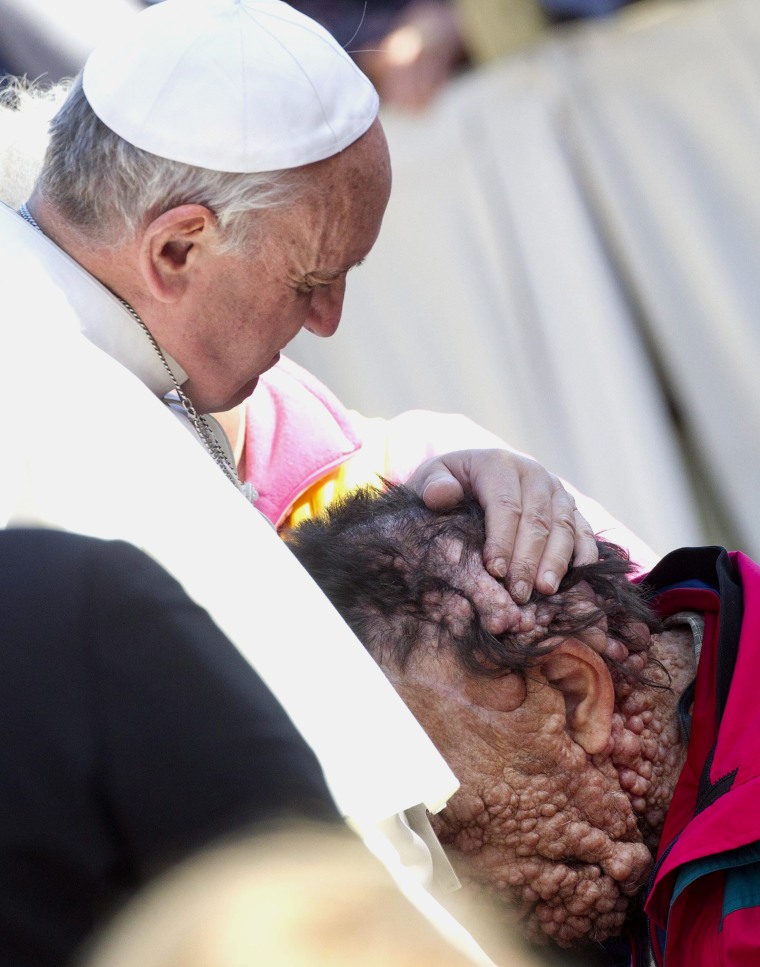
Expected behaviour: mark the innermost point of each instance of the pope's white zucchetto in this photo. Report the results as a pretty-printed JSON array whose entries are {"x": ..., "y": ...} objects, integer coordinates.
[{"x": 229, "y": 85}]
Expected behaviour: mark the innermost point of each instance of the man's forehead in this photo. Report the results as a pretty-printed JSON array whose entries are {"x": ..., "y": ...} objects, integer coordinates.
[
  {"x": 334, "y": 234},
  {"x": 313, "y": 235}
]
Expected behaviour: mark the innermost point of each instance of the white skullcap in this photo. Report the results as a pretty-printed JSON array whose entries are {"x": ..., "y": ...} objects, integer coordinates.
[{"x": 230, "y": 85}]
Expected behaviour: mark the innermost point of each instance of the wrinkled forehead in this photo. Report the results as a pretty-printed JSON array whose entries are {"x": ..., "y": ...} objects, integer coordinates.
[
  {"x": 359, "y": 175},
  {"x": 347, "y": 193}
]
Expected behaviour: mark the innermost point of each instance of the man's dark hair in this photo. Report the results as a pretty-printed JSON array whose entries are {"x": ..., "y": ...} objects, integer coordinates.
[{"x": 381, "y": 558}]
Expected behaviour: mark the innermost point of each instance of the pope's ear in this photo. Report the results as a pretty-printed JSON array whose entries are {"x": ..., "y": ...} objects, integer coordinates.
[
  {"x": 172, "y": 244},
  {"x": 584, "y": 680}
]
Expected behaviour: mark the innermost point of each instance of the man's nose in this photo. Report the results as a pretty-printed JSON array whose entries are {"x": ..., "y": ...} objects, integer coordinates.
[{"x": 326, "y": 309}]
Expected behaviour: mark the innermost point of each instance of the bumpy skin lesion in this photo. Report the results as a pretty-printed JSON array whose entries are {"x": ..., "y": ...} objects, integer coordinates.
[
  {"x": 646, "y": 746},
  {"x": 561, "y": 839},
  {"x": 553, "y": 824},
  {"x": 536, "y": 823}
]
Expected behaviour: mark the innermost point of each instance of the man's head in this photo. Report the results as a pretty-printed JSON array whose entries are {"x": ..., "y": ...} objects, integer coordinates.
[
  {"x": 220, "y": 167},
  {"x": 559, "y": 730}
]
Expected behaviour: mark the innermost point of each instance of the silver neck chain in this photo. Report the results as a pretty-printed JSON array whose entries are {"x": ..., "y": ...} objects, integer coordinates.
[
  {"x": 199, "y": 421},
  {"x": 27, "y": 216}
]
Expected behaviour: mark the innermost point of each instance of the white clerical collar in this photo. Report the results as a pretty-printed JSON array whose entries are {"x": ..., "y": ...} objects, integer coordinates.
[{"x": 104, "y": 320}]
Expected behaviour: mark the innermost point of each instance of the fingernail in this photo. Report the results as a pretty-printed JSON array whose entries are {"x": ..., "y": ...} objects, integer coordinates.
[
  {"x": 498, "y": 568},
  {"x": 521, "y": 591},
  {"x": 551, "y": 580}
]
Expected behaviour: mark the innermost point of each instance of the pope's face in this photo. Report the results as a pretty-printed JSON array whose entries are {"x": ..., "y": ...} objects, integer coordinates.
[{"x": 292, "y": 277}]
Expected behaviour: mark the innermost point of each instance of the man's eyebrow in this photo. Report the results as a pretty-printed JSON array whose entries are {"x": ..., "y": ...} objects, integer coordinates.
[{"x": 331, "y": 274}]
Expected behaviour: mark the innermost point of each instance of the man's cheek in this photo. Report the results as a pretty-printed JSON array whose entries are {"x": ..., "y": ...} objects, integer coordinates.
[{"x": 502, "y": 694}]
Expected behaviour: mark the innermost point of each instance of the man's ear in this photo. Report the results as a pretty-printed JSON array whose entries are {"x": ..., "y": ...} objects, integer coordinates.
[
  {"x": 586, "y": 684},
  {"x": 172, "y": 246}
]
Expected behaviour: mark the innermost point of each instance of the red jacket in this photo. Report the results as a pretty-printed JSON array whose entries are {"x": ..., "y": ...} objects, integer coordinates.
[{"x": 704, "y": 899}]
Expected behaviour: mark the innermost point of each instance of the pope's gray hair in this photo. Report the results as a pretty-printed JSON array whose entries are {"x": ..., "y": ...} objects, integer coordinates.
[{"x": 106, "y": 188}]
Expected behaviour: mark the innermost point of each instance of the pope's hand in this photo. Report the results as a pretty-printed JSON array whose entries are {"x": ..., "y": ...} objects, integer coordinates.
[{"x": 532, "y": 526}]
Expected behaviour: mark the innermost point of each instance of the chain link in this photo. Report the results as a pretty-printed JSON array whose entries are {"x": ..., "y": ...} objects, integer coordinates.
[{"x": 199, "y": 421}]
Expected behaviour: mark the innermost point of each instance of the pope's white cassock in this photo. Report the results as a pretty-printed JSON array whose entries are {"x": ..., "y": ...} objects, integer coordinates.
[{"x": 90, "y": 447}]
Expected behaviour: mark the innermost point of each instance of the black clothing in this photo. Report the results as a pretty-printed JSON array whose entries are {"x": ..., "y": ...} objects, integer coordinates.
[{"x": 133, "y": 732}]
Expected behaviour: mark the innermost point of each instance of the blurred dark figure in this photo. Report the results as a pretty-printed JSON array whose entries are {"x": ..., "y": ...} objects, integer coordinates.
[{"x": 134, "y": 734}]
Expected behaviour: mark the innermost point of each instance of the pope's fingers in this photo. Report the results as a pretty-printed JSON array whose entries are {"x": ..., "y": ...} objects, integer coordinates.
[
  {"x": 532, "y": 527},
  {"x": 549, "y": 534},
  {"x": 495, "y": 478},
  {"x": 517, "y": 494},
  {"x": 519, "y": 528},
  {"x": 569, "y": 538},
  {"x": 586, "y": 549}
]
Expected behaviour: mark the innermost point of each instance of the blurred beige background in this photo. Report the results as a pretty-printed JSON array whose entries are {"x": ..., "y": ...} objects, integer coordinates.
[{"x": 571, "y": 256}]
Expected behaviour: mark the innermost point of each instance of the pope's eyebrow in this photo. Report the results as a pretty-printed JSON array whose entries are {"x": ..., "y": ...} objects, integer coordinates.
[{"x": 330, "y": 275}]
